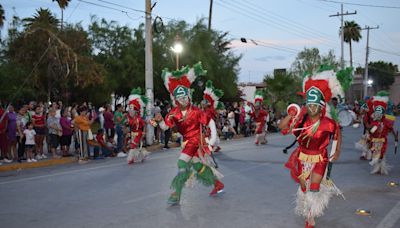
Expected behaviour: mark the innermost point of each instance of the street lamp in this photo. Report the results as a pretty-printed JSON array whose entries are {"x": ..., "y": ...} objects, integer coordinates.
[
  {"x": 370, "y": 82},
  {"x": 177, "y": 48}
]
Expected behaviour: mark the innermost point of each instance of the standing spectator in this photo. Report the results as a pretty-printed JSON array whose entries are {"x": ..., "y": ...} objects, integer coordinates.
[
  {"x": 55, "y": 131},
  {"x": 29, "y": 135},
  {"x": 236, "y": 110},
  {"x": 157, "y": 130},
  {"x": 12, "y": 132},
  {"x": 21, "y": 125},
  {"x": 119, "y": 120},
  {"x": 168, "y": 132},
  {"x": 83, "y": 125},
  {"x": 231, "y": 118},
  {"x": 3, "y": 135},
  {"x": 109, "y": 124},
  {"x": 39, "y": 125},
  {"x": 74, "y": 113},
  {"x": 67, "y": 131},
  {"x": 101, "y": 117}
]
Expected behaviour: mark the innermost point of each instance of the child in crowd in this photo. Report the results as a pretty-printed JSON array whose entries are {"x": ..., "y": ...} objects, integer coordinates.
[
  {"x": 228, "y": 131},
  {"x": 107, "y": 148},
  {"x": 29, "y": 135}
]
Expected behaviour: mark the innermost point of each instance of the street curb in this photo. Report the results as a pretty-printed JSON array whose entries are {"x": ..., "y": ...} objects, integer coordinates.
[
  {"x": 39, "y": 164},
  {"x": 62, "y": 161}
]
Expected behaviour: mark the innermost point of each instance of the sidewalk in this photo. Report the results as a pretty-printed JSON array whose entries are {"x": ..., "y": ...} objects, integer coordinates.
[{"x": 61, "y": 161}]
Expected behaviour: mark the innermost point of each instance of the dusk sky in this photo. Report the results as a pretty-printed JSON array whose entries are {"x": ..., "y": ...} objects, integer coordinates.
[{"x": 280, "y": 28}]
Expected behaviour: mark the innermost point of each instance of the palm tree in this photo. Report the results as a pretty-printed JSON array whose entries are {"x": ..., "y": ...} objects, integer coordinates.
[
  {"x": 62, "y": 4},
  {"x": 41, "y": 19},
  {"x": 352, "y": 32},
  {"x": 2, "y": 18}
]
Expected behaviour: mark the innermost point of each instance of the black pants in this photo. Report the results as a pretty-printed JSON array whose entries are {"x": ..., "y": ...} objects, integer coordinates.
[
  {"x": 167, "y": 134},
  {"x": 21, "y": 147}
]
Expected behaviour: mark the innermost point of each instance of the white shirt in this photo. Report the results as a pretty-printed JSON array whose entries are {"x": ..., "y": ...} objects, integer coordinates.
[{"x": 30, "y": 136}]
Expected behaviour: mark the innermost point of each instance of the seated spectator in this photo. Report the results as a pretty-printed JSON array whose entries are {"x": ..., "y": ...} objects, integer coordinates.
[
  {"x": 228, "y": 131},
  {"x": 107, "y": 148}
]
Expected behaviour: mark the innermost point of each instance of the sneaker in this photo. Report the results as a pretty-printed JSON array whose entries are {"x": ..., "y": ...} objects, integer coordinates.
[
  {"x": 33, "y": 160},
  {"x": 29, "y": 160},
  {"x": 38, "y": 157},
  {"x": 44, "y": 156},
  {"x": 6, "y": 160},
  {"x": 165, "y": 147},
  {"x": 173, "y": 199},
  {"x": 218, "y": 188}
]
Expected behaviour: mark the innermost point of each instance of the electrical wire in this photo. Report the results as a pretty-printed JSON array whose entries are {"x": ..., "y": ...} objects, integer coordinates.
[
  {"x": 364, "y": 5},
  {"x": 262, "y": 19}
]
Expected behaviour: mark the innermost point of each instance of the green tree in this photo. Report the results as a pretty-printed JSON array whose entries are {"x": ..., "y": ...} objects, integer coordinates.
[
  {"x": 382, "y": 73},
  {"x": 352, "y": 32},
  {"x": 60, "y": 61},
  {"x": 310, "y": 59},
  {"x": 281, "y": 89},
  {"x": 62, "y": 4}
]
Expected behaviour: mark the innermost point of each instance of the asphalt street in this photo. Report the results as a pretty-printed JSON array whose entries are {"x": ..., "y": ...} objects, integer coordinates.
[{"x": 259, "y": 192}]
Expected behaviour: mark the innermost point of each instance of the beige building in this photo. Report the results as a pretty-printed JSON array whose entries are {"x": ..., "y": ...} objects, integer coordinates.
[{"x": 356, "y": 90}]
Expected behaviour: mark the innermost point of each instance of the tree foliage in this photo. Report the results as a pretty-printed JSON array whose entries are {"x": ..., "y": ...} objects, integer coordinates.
[
  {"x": 352, "y": 32},
  {"x": 310, "y": 59},
  {"x": 382, "y": 73},
  {"x": 282, "y": 87},
  {"x": 41, "y": 61}
]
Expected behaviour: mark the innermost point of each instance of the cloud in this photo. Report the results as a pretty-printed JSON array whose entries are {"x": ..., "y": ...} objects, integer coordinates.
[{"x": 271, "y": 58}]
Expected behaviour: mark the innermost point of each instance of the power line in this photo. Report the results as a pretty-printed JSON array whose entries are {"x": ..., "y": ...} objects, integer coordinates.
[
  {"x": 384, "y": 51},
  {"x": 364, "y": 5},
  {"x": 273, "y": 23},
  {"x": 262, "y": 19},
  {"x": 285, "y": 20},
  {"x": 122, "y": 6}
]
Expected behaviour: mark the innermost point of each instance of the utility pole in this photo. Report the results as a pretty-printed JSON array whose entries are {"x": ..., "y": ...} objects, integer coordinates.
[
  {"x": 366, "y": 60},
  {"x": 149, "y": 73},
  {"x": 210, "y": 15},
  {"x": 341, "y": 14}
]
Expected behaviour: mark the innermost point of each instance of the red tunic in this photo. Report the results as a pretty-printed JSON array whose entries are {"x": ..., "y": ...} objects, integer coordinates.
[
  {"x": 136, "y": 126},
  {"x": 384, "y": 127},
  {"x": 311, "y": 150},
  {"x": 189, "y": 126},
  {"x": 261, "y": 119}
]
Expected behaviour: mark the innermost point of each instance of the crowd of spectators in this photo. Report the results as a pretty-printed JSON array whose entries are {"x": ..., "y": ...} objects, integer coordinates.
[{"x": 37, "y": 130}]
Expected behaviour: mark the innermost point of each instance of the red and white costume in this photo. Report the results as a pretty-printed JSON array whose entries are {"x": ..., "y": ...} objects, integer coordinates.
[
  {"x": 313, "y": 136},
  {"x": 380, "y": 127},
  {"x": 136, "y": 124},
  {"x": 260, "y": 116},
  {"x": 189, "y": 120}
]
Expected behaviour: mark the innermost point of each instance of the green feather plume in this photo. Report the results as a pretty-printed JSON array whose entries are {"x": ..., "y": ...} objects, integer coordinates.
[
  {"x": 345, "y": 77},
  {"x": 383, "y": 93}
]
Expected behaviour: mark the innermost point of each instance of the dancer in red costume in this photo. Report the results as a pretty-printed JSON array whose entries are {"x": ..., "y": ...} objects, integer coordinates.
[
  {"x": 189, "y": 121},
  {"x": 211, "y": 105},
  {"x": 380, "y": 127},
  {"x": 314, "y": 126},
  {"x": 260, "y": 117},
  {"x": 137, "y": 126}
]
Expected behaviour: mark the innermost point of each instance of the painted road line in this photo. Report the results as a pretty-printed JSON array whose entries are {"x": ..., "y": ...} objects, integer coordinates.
[{"x": 391, "y": 218}]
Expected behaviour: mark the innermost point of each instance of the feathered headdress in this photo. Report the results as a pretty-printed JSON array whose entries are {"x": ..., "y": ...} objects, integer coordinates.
[
  {"x": 137, "y": 101},
  {"x": 324, "y": 84},
  {"x": 258, "y": 97},
  {"x": 178, "y": 82},
  {"x": 212, "y": 96},
  {"x": 380, "y": 101}
]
